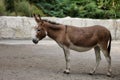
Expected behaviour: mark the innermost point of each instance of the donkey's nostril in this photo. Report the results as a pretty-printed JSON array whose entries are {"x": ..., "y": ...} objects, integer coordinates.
[{"x": 35, "y": 41}]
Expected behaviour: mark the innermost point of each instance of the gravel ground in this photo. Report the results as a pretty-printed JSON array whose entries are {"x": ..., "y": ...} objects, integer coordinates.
[{"x": 46, "y": 62}]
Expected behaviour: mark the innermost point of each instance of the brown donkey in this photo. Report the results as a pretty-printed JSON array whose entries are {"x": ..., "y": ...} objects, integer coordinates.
[{"x": 76, "y": 38}]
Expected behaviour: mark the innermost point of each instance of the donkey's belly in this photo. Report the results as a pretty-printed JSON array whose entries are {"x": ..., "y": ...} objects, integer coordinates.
[{"x": 79, "y": 48}]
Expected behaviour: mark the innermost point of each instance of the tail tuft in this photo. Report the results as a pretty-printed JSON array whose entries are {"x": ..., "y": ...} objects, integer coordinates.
[{"x": 109, "y": 46}]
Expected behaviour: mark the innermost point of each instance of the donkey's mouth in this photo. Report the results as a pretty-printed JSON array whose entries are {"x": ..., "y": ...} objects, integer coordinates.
[{"x": 35, "y": 41}]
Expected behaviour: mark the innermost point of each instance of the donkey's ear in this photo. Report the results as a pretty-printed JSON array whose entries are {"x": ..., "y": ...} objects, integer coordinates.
[
  {"x": 39, "y": 16},
  {"x": 37, "y": 19}
]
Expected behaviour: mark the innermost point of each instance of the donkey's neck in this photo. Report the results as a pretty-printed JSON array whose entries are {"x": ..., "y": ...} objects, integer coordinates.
[{"x": 54, "y": 31}]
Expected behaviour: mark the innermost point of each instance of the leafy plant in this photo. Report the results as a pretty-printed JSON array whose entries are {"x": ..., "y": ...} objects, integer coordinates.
[
  {"x": 23, "y": 8},
  {"x": 2, "y": 8},
  {"x": 9, "y": 5},
  {"x": 35, "y": 10},
  {"x": 102, "y": 9}
]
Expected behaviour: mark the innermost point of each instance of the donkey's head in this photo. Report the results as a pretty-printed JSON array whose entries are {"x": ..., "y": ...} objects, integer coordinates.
[{"x": 40, "y": 32}]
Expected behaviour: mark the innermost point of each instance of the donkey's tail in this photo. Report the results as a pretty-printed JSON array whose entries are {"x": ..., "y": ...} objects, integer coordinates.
[{"x": 109, "y": 45}]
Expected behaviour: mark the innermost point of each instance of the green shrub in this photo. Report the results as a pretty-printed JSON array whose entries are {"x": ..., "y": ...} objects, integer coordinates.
[
  {"x": 99, "y": 13},
  {"x": 110, "y": 14},
  {"x": 23, "y": 8},
  {"x": 2, "y": 8},
  {"x": 35, "y": 10}
]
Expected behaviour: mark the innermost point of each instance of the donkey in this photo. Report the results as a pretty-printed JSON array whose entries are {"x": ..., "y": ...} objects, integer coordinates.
[{"x": 76, "y": 38}]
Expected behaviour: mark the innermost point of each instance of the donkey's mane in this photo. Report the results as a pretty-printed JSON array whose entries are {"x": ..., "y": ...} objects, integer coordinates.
[
  {"x": 55, "y": 28},
  {"x": 50, "y": 21}
]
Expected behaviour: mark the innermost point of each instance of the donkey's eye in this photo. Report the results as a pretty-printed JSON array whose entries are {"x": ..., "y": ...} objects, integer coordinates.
[{"x": 38, "y": 30}]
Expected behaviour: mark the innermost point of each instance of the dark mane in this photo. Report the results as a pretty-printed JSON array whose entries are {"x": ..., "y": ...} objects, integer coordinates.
[
  {"x": 55, "y": 27},
  {"x": 50, "y": 21}
]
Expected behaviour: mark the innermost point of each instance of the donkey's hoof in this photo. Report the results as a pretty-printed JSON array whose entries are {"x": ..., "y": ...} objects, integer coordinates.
[
  {"x": 109, "y": 75},
  {"x": 66, "y": 72},
  {"x": 90, "y": 73}
]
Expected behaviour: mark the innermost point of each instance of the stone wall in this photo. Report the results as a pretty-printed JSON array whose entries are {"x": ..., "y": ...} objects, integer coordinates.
[{"x": 21, "y": 27}]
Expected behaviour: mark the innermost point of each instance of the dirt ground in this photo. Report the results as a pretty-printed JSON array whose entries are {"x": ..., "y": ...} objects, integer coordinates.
[{"x": 46, "y": 62}]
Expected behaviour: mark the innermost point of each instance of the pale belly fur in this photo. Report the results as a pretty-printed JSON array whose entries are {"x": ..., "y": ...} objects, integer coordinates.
[{"x": 79, "y": 48}]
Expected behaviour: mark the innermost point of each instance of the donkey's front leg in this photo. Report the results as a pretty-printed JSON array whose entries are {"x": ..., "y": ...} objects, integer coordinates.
[{"x": 67, "y": 58}]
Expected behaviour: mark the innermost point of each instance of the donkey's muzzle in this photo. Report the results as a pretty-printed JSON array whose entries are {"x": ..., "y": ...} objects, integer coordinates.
[{"x": 35, "y": 41}]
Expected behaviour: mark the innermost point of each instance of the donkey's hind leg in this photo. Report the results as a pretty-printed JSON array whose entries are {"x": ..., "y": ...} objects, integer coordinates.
[
  {"x": 108, "y": 58},
  {"x": 98, "y": 58}
]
